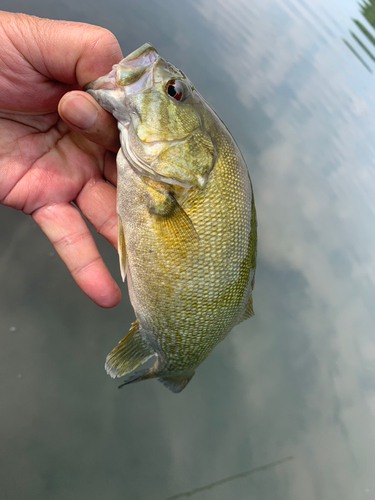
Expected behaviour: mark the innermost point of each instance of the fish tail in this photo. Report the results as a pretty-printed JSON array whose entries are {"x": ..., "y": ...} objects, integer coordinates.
[{"x": 129, "y": 353}]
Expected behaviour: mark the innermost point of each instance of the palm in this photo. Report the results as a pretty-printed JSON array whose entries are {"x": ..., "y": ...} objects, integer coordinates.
[
  {"x": 44, "y": 167},
  {"x": 46, "y": 163}
]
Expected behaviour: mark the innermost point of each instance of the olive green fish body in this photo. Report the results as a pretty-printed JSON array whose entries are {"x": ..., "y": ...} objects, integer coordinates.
[{"x": 187, "y": 226}]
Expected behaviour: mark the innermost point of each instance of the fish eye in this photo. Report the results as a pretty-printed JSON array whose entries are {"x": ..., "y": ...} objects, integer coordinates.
[{"x": 177, "y": 90}]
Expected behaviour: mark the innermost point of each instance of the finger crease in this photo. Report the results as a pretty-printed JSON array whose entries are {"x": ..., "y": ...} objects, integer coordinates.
[
  {"x": 71, "y": 240},
  {"x": 108, "y": 223},
  {"x": 80, "y": 269}
]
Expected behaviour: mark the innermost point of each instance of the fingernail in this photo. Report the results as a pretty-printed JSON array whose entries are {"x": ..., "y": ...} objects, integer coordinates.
[{"x": 80, "y": 112}]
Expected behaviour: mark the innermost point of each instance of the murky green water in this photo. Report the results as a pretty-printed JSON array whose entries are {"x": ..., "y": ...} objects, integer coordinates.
[{"x": 290, "y": 394}]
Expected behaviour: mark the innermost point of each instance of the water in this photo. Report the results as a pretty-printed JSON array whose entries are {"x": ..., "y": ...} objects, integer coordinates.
[{"x": 284, "y": 407}]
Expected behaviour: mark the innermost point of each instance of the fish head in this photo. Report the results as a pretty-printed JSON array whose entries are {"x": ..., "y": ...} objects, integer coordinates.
[{"x": 159, "y": 113}]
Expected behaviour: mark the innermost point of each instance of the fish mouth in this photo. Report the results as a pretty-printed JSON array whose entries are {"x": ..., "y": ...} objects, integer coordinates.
[{"x": 131, "y": 75}]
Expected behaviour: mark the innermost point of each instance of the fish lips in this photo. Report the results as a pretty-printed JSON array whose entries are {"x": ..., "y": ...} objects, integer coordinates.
[
  {"x": 131, "y": 75},
  {"x": 109, "y": 95}
]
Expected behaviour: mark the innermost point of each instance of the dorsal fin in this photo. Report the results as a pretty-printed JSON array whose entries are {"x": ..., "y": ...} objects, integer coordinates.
[
  {"x": 177, "y": 383},
  {"x": 248, "y": 311},
  {"x": 129, "y": 353}
]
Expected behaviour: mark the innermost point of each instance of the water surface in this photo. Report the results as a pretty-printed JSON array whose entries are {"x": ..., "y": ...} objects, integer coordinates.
[{"x": 288, "y": 399}]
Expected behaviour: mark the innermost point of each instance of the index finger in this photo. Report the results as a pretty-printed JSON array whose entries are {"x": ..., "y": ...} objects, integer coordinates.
[{"x": 69, "y": 54}]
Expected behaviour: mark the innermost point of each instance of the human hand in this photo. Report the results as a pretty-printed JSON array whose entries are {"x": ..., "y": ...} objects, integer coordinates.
[{"x": 46, "y": 164}]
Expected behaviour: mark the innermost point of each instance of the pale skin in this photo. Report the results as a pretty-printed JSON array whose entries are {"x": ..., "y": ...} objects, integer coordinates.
[{"x": 57, "y": 145}]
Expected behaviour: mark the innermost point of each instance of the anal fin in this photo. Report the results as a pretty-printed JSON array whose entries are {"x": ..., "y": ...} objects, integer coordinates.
[
  {"x": 138, "y": 376},
  {"x": 129, "y": 353}
]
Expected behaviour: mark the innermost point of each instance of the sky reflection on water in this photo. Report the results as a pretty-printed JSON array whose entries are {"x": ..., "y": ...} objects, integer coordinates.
[{"x": 298, "y": 379}]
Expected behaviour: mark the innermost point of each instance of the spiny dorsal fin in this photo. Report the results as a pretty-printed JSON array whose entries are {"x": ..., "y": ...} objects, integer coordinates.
[
  {"x": 121, "y": 247},
  {"x": 176, "y": 384},
  {"x": 129, "y": 353}
]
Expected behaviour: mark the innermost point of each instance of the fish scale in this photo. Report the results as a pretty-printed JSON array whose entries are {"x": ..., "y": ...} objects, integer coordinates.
[{"x": 187, "y": 222}]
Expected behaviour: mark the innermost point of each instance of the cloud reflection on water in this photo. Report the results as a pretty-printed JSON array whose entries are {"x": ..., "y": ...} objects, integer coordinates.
[
  {"x": 315, "y": 196},
  {"x": 297, "y": 379}
]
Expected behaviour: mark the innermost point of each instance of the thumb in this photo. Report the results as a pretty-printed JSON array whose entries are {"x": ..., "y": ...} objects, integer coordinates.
[{"x": 83, "y": 114}]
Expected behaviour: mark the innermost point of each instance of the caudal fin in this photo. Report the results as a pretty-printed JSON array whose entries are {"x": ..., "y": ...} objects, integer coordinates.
[{"x": 129, "y": 353}]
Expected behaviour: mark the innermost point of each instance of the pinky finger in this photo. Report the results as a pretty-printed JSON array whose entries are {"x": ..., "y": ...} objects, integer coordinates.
[{"x": 69, "y": 234}]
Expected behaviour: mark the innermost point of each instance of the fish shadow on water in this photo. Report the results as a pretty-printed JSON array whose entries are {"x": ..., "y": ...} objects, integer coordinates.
[{"x": 230, "y": 478}]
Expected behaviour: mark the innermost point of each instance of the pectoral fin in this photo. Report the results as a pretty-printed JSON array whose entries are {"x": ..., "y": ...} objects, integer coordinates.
[
  {"x": 172, "y": 221},
  {"x": 179, "y": 230},
  {"x": 121, "y": 247},
  {"x": 129, "y": 353}
]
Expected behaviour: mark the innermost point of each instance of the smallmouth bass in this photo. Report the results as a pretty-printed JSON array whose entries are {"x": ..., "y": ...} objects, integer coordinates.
[{"x": 187, "y": 231}]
